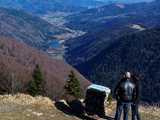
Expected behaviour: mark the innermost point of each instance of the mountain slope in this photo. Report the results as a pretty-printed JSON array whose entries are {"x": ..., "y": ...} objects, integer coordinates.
[
  {"x": 34, "y": 6},
  {"x": 83, "y": 3},
  {"x": 46, "y": 6},
  {"x": 19, "y": 60},
  {"x": 85, "y": 19},
  {"x": 104, "y": 25},
  {"x": 27, "y": 28},
  {"x": 138, "y": 53}
]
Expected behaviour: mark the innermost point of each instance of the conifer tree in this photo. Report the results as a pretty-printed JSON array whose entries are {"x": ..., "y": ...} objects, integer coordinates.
[
  {"x": 36, "y": 86},
  {"x": 72, "y": 86}
]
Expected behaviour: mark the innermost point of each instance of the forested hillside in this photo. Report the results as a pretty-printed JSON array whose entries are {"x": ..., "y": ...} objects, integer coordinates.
[
  {"x": 138, "y": 53},
  {"x": 105, "y": 24},
  {"x": 27, "y": 28},
  {"x": 17, "y": 63}
]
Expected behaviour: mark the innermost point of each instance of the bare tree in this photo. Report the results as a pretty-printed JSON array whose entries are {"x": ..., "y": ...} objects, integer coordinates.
[{"x": 9, "y": 83}]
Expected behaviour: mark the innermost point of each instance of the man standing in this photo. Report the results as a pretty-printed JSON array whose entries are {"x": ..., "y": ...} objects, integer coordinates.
[{"x": 124, "y": 93}]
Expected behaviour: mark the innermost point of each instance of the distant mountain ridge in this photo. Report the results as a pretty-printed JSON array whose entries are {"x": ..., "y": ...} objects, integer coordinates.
[
  {"x": 126, "y": 1},
  {"x": 83, "y": 3},
  {"x": 105, "y": 24},
  {"x": 33, "y": 6},
  {"x": 98, "y": 16},
  {"x": 44, "y": 6}
]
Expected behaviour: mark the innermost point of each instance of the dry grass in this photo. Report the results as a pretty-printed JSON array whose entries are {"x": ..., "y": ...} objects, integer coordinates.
[
  {"x": 25, "y": 107},
  {"x": 23, "y": 99}
]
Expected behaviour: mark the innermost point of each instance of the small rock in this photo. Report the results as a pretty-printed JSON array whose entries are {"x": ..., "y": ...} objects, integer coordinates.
[
  {"x": 28, "y": 115},
  {"x": 52, "y": 115},
  {"x": 37, "y": 114},
  {"x": 29, "y": 110}
]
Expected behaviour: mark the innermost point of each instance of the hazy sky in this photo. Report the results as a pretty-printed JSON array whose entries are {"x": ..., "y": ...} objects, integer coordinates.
[{"x": 127, "y": 0}]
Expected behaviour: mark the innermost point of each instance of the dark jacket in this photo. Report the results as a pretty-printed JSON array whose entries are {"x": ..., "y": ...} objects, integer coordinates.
[
  {"x": 137, "y": 83},
  {"x": 126, "y": 91}
]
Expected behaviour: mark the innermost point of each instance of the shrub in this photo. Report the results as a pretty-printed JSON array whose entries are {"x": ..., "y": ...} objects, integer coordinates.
[{"x": 110, "y": 99}]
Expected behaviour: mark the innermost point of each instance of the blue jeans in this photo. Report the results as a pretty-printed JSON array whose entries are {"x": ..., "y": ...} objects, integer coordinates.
[
  {"x": 122, "y": 106},
  {"x": 135, "y": 113}
]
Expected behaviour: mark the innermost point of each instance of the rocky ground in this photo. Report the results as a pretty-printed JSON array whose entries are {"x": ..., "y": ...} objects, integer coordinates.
[{"x": 25, "y": 107}]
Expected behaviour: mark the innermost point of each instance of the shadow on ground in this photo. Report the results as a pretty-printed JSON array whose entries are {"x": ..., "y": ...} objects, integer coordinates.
[{"x": 77, "y": 109}]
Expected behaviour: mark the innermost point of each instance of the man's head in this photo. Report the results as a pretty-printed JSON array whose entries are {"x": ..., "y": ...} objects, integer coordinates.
[{"x": 127, "y": 75}]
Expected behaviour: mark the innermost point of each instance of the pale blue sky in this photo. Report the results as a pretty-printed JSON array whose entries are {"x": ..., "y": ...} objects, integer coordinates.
[{"x": 127, "y": 0}]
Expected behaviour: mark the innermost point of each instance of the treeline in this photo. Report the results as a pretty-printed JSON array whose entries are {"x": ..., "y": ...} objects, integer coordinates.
[
  {"x": 22, "y": 66},
  {"x": 9, "y": 83},
  {"x": 37, "y": 86}
]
